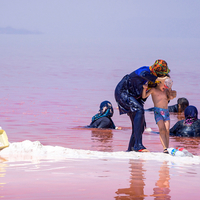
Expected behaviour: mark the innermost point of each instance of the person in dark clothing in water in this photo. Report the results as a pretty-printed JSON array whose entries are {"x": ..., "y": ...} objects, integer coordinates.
[
  {"x": 103, "y": 118},
  {"x": 128, "y": 95},
  {"x": 181, "y": 105},
  {"x": 190, "y": 126}
]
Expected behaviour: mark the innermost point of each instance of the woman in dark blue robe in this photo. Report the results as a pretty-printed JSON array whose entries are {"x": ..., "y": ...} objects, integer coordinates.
[{"x": 128, "y": 95}]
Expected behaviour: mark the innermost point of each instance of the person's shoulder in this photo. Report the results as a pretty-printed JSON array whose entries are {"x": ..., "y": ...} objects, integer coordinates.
[
  {"x": 145, "y": 68},
  {"x": 179, "y": 123},
  {"x": 154, "y": 90},
  {"x": 197, "y": 122},
  {"x": 142, "y": 69}
]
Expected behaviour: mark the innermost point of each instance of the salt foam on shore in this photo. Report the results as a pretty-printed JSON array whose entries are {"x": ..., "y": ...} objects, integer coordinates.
[{"x": 27, "y": 150}]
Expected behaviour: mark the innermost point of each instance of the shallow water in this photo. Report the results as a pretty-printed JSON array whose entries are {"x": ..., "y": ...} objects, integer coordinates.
[
  {"x": 98, "y": 179},
  {"x": 51, "y": 88}
]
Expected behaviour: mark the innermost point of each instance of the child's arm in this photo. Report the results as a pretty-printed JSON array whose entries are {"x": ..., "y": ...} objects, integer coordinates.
[
  {"x": 171, "y": 94},
  {"x": 146, "y": 93}
]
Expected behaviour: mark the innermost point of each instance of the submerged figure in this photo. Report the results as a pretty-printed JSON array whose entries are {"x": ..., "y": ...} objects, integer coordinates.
[
  {"x": 103, "y": 118},
  {"x": 181, "y": 105},
  {"x": 190, "y": 126},
  {"x": 161, "y": 94},
  {"x": 128, "y": 95}
]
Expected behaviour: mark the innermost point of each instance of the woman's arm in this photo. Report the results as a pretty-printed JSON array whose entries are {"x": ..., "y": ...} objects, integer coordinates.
[{"x": 148, "y": 76}]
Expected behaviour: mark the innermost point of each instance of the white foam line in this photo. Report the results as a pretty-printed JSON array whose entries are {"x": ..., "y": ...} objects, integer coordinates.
[{"x": 35, "y": 151}]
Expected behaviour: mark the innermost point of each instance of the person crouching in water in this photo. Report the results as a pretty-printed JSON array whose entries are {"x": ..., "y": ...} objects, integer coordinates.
[
  {"x": 182, "y": 104},
  {"x": 103, "y": 118},
  {"x": 161, "y": 94},
  {"x": 190, "y": 126}
]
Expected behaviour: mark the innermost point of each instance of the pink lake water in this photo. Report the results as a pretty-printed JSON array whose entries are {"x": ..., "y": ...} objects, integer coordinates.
[{"x": 50, "y": 88}]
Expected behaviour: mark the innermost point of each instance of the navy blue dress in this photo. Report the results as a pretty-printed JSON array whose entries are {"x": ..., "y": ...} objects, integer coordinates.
[
  {"x": 128, "y": 95},
  {"x": 190, "y": 127},
  {"x": 103, "y": 122},
  {"x": 182, "y": 129}
]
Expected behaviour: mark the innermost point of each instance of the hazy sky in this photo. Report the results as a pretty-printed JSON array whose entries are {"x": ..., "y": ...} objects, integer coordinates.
[{"x": 104, "y": 18}]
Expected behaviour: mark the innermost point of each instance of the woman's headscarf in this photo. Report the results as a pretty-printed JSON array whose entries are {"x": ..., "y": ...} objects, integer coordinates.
[
  {"x": 159, "y": 68},
  {"x": 191, "y": 115},
  {"x": 106, "y": 110}
]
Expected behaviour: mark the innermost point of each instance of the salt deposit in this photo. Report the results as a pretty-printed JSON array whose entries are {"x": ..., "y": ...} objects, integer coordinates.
[{"x": 27, "y": 150}]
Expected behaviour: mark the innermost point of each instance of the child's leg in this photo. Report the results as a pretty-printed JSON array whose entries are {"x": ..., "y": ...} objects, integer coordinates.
[
  {"x": 163, "y": 134},
  {"x": 167, "y": 125}
]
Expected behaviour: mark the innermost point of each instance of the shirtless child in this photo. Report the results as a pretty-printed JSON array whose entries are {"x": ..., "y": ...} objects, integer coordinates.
[{"x": 161, "y": 94}]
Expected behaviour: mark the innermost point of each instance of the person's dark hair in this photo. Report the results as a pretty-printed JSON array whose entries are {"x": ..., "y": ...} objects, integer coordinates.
[{"x": 183, "y": 102}]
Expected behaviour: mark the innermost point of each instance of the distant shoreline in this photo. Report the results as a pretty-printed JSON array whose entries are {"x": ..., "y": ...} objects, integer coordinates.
[{"x": 10, "y": 30}]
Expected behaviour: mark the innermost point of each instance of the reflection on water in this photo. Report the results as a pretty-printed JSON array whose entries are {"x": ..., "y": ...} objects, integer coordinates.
[
  {"x": 136, "y": 188},
  {"x": 137, "y": 183},
  {"x": 2, "y": 172},
  {"x": 179, "y": 116},
  {"x": 161, "y": 191},
  {"x": 102, "y": 139}
]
